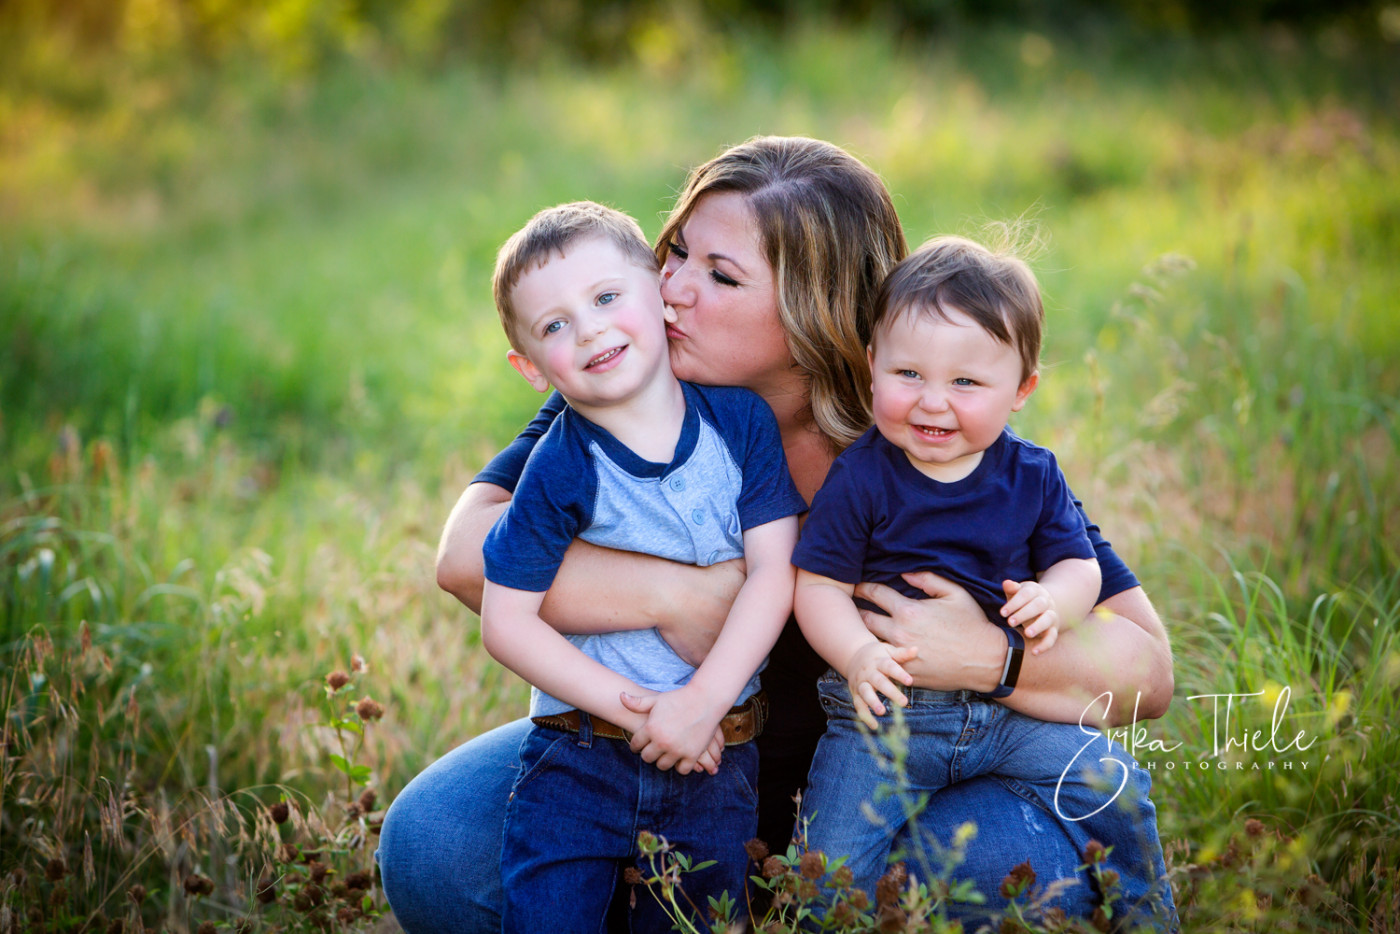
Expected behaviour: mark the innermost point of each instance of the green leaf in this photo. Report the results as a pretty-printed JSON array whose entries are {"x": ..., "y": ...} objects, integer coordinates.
[
  {"x": 339, "y": 762},
  {"x": 360, "y": 774}
]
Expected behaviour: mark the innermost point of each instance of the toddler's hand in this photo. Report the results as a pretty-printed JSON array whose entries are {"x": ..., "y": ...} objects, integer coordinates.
[
  {"x": 868, "y": 674},
  {"x": 1032, "y": 607}
]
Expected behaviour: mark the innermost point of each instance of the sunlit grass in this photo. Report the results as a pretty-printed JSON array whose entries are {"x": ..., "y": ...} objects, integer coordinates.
[{"x": 250, "y": 360}]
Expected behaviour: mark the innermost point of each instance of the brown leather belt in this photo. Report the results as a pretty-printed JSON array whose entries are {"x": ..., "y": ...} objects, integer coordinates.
[{"x": 740, "y": 725}]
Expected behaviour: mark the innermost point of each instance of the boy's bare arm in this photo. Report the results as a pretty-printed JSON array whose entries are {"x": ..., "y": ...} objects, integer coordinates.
[
  {"x": 1114, "y": 667},
  {"x": 681, "y": 721},
  {"x": 1075, "y": 584},
  {"x": 827, "y": 614},
  {"x": 1064, "y": 595},
  {"x": 515, "y": 635},
  {"x": 597, "y": 589}
]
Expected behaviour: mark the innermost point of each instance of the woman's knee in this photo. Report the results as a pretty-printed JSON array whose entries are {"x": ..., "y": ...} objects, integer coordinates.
[{"x": 440, "y": 846}]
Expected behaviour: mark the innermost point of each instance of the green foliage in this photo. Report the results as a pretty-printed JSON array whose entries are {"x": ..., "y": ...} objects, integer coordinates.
[
  {"x": 99, "y": 838},
  {"x": 250, "y": 360},
  {"x": 296, "y": 38}
]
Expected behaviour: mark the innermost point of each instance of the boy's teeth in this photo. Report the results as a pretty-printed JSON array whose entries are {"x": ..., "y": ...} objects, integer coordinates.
[{"x": 607, "y": 356}]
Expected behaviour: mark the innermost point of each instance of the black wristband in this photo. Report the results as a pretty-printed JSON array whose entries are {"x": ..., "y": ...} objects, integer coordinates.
[{"x": 1011, "y": 671}]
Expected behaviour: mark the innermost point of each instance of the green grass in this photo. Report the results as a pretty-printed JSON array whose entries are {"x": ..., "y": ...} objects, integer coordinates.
[{"x": 250, "y": 360}]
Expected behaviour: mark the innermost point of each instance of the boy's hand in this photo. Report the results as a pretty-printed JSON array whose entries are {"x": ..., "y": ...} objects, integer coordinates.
[
  {"x": 1032, "y": 607},
  {"x": 678, "y": 732},
  {"x": 868, "y": 674}
]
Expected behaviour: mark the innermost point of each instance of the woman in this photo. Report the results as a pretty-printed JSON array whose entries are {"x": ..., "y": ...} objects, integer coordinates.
[{"x": 772, "y": 258}]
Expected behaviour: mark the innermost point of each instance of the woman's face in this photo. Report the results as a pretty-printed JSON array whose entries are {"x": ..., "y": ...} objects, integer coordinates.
[{"x": 726, "y": 330}]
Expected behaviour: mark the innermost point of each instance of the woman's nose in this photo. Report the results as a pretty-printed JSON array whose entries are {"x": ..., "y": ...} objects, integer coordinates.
[{"x": 675, "y": 287}]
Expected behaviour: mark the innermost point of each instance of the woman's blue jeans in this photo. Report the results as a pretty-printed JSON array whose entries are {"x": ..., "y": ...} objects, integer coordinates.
[{"x": 440, "y": 848}]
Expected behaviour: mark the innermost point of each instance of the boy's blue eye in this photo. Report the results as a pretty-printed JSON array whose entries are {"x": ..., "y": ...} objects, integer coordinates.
[
  {"x": 908, "y": 374},
  {"x": 964, "y": 381},
  {"x": 606, "y": 298},
  {"x": 553, "y": 326}
]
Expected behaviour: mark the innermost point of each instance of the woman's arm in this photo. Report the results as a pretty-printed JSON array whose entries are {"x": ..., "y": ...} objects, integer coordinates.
[
  {"x": 1121, "y": 648},
  {"x": 597, "y": 589},
  {"x": 680, "y": 721},
  {"x": 515, "y": 635}
]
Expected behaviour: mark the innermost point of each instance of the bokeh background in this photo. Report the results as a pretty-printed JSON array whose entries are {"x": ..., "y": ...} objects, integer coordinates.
[{"x": 248, "y": 360}]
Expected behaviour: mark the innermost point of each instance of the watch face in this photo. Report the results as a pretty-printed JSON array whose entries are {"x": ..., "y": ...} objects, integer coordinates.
[
  {"x": 1011, "y": 671},
  {"x": 1014, "y": 652}
]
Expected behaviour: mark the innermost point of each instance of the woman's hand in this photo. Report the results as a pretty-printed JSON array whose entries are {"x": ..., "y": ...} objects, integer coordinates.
[{"x": 958, "y": 647}]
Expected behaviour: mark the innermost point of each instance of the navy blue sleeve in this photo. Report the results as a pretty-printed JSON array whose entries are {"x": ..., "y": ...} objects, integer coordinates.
[
  {"x": 836, "y": 535},
  {"x": 1059, "y": 532},
  {"x": 750, "y": 431},
  {"x": 1117, "y": 576},
  {"x": 505, "y": 468},
  {"x": 551, "y": 505}
]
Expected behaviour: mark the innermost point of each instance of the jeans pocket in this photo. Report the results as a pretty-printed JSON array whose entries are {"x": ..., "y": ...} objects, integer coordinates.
[
  {"x": 540, "y": 748},
  {"x": 744, "y": 771},
  {"x": 835, "y": 696}
]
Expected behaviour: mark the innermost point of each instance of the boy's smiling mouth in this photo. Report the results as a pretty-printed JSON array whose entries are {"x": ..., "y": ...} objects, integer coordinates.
[
  {"x": 934, "y": 433},
  {"x": 606, "y": 359}
]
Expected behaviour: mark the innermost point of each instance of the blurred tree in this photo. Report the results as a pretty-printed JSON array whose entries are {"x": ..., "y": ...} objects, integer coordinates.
[{"x": 299, "y": 36}]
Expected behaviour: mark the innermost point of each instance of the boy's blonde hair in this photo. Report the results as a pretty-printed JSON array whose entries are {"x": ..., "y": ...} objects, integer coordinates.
[
  {"x": 548, "y": 234},
  {"x": 994, "y": 288}
]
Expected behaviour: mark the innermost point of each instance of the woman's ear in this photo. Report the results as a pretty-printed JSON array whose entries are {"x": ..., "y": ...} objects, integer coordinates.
[
  {"x": 525, "y": 368},
  {"x": 1027, "y": 387}
]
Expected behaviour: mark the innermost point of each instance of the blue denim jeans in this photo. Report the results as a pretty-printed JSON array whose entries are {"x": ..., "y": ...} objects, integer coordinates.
[
  {"x": 866, "y": 792},
  {"x": 440, "y": 849},
  {"x": 572, "y": 823}
]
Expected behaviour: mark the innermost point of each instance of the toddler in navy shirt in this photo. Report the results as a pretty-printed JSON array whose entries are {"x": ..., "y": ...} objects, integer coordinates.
[{"x": 940, "y": 483}]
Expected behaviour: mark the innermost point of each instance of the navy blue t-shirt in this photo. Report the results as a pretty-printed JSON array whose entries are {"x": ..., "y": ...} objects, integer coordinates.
[
  {"x": 505, "y": 468},
  {"x": 877, "y": 517}
]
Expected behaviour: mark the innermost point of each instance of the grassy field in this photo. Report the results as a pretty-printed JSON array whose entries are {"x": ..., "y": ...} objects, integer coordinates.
[{"x": 249, "y": 361}]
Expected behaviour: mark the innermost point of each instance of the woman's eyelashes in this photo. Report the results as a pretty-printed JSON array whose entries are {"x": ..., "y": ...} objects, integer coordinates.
[{"x": 678, "y": 251}]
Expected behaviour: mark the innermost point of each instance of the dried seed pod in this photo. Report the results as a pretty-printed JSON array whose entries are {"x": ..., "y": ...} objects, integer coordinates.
[{"x": 369, "y": 709}]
